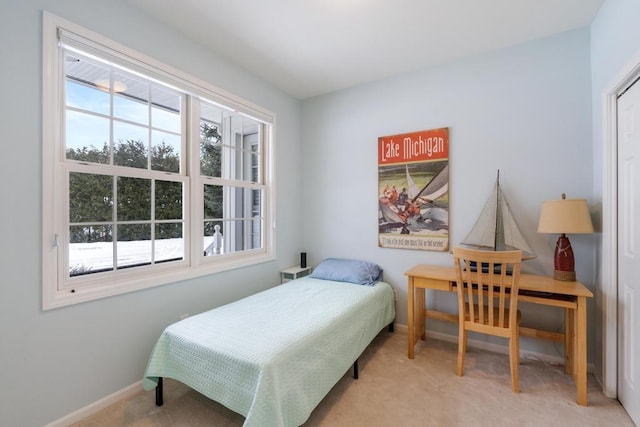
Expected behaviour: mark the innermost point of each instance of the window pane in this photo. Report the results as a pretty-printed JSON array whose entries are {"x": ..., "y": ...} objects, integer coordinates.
[
  {"x": 210, "y": 149},
  {"x": 213, "y": 238},
  {"x": 231, "y": 202},
  {"x": 211, "y": 113},
  {"x": 210, "y": 159},
  {"x": 212, "y": 201},
  {"x": 256, "y": 173},
  {"x": 131, "y": 101},
  {"x": 256, "y": 233},
  {"x": 248, "y": 170},
  {"x": 256, "y": 221},
  {"x": 228, "y": 162},
  {"x": 169, "y": 245},
  {"x": 87, "y": 137},
  {"x": 237, "y": 211},
  {"x": 134, "y": 199},
  {"x": 87, "y": 97},
  {"x": 131, "y": 144},
  {"x": 211, "y": 117},
  {"x": 91, "y": 155},
  {"x": 166, "y": 152},
  {"x": 240, "y": 152},
  {"x": 90, "y": 198},
  {"x": 85, "y": 84},
  {"x": 134, "y": 245},
  {"x": 238, "y": 236},
  {"x": 165, "y": 110},
  {"x": 169, "y": 198},
  {"x": 256, "y": 203},
  {"x": 90, "y": 249},
  {"x": 244, "y": 144}
]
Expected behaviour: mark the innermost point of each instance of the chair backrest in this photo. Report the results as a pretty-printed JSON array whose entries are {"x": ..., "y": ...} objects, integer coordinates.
[{"x": 485, "y": 281}]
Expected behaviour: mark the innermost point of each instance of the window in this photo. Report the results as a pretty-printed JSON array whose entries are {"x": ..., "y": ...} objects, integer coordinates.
[{"x": 150, "y": 176}]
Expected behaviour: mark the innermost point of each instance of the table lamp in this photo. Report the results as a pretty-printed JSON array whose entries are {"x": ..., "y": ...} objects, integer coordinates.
[{"x": 565, "y": 216}]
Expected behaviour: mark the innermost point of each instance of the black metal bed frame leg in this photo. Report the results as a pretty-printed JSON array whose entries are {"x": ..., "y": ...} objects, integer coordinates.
[
  {"x": 159, "y": 396},
  {"x": 390, "y": 328}
]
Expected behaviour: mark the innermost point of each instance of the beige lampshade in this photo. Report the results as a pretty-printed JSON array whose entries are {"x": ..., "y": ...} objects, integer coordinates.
[{"x": 568, "y": 216}]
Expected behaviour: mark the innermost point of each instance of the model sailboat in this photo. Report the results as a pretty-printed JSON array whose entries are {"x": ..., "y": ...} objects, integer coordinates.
[{"x": 496, "y": 228}]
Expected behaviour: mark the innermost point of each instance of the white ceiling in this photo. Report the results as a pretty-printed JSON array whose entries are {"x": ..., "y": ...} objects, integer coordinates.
[{"x": 313, "y": 47}]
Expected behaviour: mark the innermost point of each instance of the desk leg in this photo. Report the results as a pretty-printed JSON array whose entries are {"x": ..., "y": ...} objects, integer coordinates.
[
  {"x": 569, "y": 341},
  {"x": 581, "y": 351},
  {"x": 421, "y": 318},
  {"x": 410, "y": 318}
]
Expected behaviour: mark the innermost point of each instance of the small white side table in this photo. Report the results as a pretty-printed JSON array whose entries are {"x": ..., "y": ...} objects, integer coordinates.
[{"x": 294, "y": 273}]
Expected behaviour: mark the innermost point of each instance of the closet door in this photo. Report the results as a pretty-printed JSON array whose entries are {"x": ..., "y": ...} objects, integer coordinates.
[{"x": 629, "y": 251}]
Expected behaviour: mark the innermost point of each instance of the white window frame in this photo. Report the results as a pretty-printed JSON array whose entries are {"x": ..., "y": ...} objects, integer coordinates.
[{"x": 56, "y": 291}]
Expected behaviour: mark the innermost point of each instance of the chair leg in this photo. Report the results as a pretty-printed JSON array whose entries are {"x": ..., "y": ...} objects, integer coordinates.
[
  {"x": 462, "y": 349},
  {"x": 514, "y": 361}
]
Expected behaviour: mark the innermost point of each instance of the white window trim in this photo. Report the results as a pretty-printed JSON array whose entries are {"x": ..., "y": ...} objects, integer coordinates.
[{"x": 53, "y": 195}]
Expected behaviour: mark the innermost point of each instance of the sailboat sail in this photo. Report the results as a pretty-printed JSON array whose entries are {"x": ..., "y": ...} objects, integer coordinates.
[
  {"x": 412, "y": 188},
  {"x": 436, "y": 187},
  {"x": 496, "y": 228}
]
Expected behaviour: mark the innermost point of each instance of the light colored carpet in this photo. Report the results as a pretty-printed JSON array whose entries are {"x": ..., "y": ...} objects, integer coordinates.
[{"x": 395, "y": 391}]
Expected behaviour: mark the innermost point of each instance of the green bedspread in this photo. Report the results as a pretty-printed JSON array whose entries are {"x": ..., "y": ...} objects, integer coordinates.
[{"x": 273, "y": 356}]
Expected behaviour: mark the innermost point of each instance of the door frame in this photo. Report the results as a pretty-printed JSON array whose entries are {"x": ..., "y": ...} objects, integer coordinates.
[{"x": 608, "y": 276}]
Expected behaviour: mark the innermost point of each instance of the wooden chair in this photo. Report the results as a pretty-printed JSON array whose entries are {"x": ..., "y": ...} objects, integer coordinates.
[{"x": 487, "y": 283}]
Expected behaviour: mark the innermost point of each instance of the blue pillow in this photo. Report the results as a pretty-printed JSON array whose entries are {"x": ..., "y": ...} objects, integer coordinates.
[{"x": 348, "y": 270}]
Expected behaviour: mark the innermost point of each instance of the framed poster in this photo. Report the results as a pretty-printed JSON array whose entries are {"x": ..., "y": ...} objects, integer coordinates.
[{"x": 413, "y": 190}]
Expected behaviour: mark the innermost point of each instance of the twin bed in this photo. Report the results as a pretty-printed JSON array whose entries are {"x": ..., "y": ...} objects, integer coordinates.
[{"x": 273, "y": 356}]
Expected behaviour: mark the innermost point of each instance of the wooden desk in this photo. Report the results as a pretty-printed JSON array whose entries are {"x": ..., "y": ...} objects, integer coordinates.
[{"x": 572, "y": 296}]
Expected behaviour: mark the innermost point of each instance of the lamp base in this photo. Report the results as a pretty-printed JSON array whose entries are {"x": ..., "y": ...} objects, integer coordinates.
[
  {"x": 565, "y": 276},
  {"x": 563, "y": 263}
]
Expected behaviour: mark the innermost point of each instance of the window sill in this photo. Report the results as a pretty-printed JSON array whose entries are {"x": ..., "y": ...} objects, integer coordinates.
[{"x": 121, "y": 285}]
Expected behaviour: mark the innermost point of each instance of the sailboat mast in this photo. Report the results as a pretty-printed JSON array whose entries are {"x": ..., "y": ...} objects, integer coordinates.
[{"x": 498, "y": 213}]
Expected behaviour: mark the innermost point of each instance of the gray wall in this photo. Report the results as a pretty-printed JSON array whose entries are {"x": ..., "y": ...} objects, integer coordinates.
[
  {"x": 56, "y": 362},
  {"x": 525, "y": 110}
]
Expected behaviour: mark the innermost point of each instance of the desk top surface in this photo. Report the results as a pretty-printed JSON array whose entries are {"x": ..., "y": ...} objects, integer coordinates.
[{"x": 529, "y": 282}]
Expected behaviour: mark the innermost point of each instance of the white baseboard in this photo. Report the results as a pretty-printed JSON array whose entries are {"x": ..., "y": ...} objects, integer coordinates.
[{"x": 94, "y": 407}]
